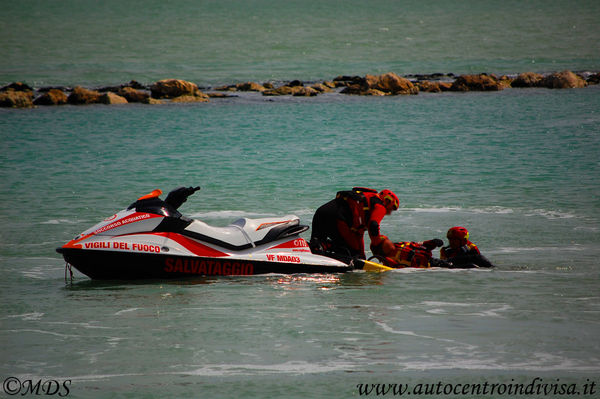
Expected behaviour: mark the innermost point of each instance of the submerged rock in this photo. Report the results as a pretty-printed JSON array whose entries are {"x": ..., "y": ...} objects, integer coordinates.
[
  {"x": 220, "y": 95},
  {"x": 286, "y": 90},
  {"x": 52, "y": 97},
  {"x": 198, "y": 97},
  {"x": 563, "y": 80}
]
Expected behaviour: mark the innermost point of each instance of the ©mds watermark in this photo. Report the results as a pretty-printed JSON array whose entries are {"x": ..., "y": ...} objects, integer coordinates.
[{"x": 46, "y": 387}]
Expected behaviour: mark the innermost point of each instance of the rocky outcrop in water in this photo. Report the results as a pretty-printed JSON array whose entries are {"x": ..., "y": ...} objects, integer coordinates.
[
  {"x": 171, "y": 88},
  {"x": 111, "y": 98},
  {"x": 16, "y": 95},
  {"x": 20, "y": 95},
  {"x": 563, "y": 80},
  {"x": 81, "y": 96},
  {"x": 528, "y": 79},
  {"x": 51, "y": 97},
  {"x": 377, "y": 85},
  {"x": 481, "y": 82},
  {"x": 133, "y": 95}
]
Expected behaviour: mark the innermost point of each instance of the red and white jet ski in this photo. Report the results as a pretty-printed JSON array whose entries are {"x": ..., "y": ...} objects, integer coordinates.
[{"x": 152, "y": 240}]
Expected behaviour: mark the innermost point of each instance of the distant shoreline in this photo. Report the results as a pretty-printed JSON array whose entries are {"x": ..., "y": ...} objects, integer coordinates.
[{"x": 21, "y": 95}]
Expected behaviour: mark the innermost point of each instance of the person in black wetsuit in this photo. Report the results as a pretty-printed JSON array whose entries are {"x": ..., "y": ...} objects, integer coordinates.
[
  {"x": 338, "y": 226},
  {"x": 461, "y": 252}
]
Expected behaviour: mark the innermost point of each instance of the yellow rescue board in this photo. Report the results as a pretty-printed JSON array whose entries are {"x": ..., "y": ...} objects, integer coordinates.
[{"x": 369, "y": 266}]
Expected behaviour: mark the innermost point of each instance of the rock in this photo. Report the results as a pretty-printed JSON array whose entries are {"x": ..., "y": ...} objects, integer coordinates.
[
  {"x": 329, "y": 84},
  {"x": 226, "y": 88},
  {"x": 391, "y": 83},
  {"x": 52, "y": 97},
  {"x": 563, "y": 80},
  {"x": 480, "y": 82},
  {"x": 345, "y": 81},
  {"x": 112, "y": 98},
  {"x": 593, "y": 79},
  {"x": 445, "y": 86},
  {"x": 355, "y": 89},
  {"x": 153, "y": 101},
  {"x": 221, "y": 95},
  {"x": 134, "y": 85},
  {"x": 171, "y": 88},
  {"x": 295, "y": 83},
  {"x": 321, "y": 88},
  {"x": 250, "y": 86},
  {"x": 361, "y": 90},
  {"x": 527, "y": 79},
  {"x": 268, "y": 85},
  {"x": 300, "y": 91},
  {"x": 198, "y": 97},
  {"x": 429, "y": 87},
  {"x": 348, "y": 79},
  {"x": 17, "y": 86},
  {"x": 505, "y": 81},
  {"x": 48, "y": 88},
  {"x": 16, "y": 99},
  {"x": 286, "y": 90},
  {"x": 133, "y": 95},
  {"x": 80, "y": 96}
]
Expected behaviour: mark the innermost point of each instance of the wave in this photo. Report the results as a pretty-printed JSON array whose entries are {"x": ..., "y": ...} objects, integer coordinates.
[
  {"x": 497, "y": 210},
  {"x": 60, "y": 221},
  {"x": 228, "y": 214},
  {"x": 512, "y": 250}
]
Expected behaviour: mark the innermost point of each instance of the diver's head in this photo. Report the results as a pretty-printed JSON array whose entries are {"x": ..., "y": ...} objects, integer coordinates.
[
  {"x": 390, "y": 200},
  {"x": 458, "y": 236}
]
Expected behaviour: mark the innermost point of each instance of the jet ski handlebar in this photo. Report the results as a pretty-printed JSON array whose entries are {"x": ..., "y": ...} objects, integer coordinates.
[{"x": 179, "y": 195}]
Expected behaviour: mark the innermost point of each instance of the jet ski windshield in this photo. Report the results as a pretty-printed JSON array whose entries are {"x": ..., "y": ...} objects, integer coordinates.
[{"x": 151, "y": 203}]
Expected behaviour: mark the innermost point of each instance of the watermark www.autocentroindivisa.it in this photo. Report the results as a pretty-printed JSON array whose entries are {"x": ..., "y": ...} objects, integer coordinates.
[
  {"x": 31, "y": 386},
  {"x": 537, "y": 386}
]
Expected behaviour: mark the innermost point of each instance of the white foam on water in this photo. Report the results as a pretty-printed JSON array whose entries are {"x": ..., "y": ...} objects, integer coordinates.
[
  {"x": 44, "y": 332},
  {"x": 228, "y": 214},
  {"x": 120, "y": 312},
  {"x": 28, "y": 316},
  {"x": 60, "y": 221},
  {"x": 290, "y": 367}
]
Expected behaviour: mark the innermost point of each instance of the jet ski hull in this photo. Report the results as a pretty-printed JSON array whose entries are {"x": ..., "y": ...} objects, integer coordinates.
[{"x": 116, "y": 265}]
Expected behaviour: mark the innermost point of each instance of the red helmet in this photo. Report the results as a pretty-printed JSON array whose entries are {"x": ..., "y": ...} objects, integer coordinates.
[
  {"x": 458, "y": 232},
  {"x": 390, "y": 196}
]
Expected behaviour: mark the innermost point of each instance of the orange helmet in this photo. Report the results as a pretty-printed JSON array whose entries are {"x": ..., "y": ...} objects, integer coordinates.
[
  {"x": 390, "y": 196},
  {"x": 458, "y": 232}
]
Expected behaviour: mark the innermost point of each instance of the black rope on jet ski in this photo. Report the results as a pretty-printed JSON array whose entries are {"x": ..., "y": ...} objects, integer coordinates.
[{"x": 68, "y": 267}]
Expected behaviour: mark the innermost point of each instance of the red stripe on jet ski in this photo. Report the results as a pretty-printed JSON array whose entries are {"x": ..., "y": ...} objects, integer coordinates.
[
  {"x": 191, "y": 245},
  {"x": 295, "y": 243}
]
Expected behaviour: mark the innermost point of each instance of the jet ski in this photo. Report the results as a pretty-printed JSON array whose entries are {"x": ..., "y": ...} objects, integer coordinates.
[{"x": 151, "y": 239}]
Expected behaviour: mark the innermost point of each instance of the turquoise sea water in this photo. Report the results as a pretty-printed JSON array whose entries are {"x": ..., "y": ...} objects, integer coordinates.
[
  {"x": 519, "y": 168},
  {"x": 220, "y": 42}
]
